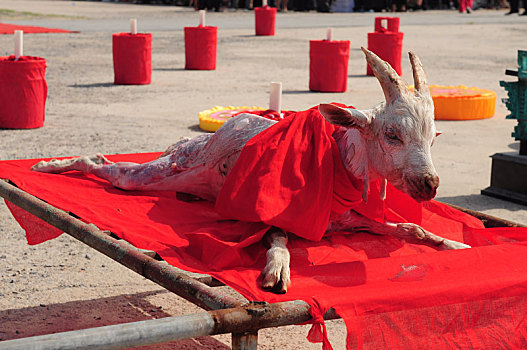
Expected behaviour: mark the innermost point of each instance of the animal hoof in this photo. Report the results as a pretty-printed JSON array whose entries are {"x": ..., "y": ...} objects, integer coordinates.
[
  {"x": 277, "y": 288},
  {"x": 276, "y": 276},
  {"x": 275, "y": 284},
  {"x": 55, "y": 166},
  {"x": 52, "y": 166},
  {"x": 449, "y": 245}
]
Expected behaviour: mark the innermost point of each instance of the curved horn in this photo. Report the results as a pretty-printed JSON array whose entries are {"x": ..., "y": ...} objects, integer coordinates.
[
  {"x": 420, "y": 82},
  {"x": 391, "y": 83}
]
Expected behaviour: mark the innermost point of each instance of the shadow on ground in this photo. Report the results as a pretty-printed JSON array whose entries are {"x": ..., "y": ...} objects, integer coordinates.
[
  {"x": 55, "y": 318},
  {"x": 169, "y": 69},
  {"x": 481, "y": 202},
  {"x": 87, "y": 86},
  {"x": 297, "y": 92}
]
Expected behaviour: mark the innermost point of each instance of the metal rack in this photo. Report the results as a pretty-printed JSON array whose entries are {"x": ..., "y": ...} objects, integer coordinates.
[{"x": 224, "y": 313}]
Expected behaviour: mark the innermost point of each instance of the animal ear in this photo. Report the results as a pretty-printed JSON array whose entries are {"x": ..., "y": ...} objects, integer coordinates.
[{"x": 348, "y": 117}]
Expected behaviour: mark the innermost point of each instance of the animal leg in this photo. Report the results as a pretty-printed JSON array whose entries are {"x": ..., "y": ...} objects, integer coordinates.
[
  {"x": 124, "y": 175},
  {"x": 352, "y": 221},
  {"x": 413, "y": 233},
  {"x": 276, "y": 274},
  {"x": 84, "y": 164}
]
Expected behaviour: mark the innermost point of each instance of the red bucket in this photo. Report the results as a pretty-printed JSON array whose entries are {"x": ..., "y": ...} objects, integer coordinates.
[
  {"x": 200, "y": 47},
  {"x": 328, "y": 65},
  {"x": 23, "y": 92},
  {"x": 265, "y": 20},
  {"x": 132, "y": 58},
  {"x": 386, "y": 42}
]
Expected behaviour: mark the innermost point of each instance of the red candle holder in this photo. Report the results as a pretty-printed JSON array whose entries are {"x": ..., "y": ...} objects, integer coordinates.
[
  {"x": 328, "y": 65},
  {"x": 386, "y": 42},
  {"x": 265, "y": 20},
  {"x": 23, "y": 92},
  {"x": 132, "y": 58},
  {"x": 200, "y": 47}
]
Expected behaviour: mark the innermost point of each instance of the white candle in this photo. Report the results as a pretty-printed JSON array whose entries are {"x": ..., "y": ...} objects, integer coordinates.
[
  {"x": 19, "y": 44},
  {"x": 133, "y": 26},
  {"x": 264, "y": 3},
  {"x": 202, "y": 18},
  {"x": 275, "y": 97},
  {"x": 329, "y": 34}
]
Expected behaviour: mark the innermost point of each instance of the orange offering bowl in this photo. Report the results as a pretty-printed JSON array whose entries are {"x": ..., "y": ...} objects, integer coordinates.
[
  {"x": 212, "y": 119},
  {"x": 462, "y": 102}
]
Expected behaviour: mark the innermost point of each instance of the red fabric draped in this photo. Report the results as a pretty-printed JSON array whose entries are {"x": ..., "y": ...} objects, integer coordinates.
[
  {"x": 328, "y": 65},
  {"x": 6, "y": 28},
  {"x": 386, "y": 42},
  {"x": 286, "y": 170},
  {"x": 265, "y": 20},
  {"x": 132, "y": 58},
  {"x": 391, "y": 294},
  {"x": 23, "y": 92},
  {"x": 201, "y": 47}
]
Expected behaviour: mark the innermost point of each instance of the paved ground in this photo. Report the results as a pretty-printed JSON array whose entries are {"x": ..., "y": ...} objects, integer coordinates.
[{"x": 62, "y": 284}]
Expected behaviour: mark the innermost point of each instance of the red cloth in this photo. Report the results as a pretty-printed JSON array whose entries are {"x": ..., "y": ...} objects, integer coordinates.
[
  {"x": 386, "y": 24},
  {"x": 391, "y": 294},
  {"x": 6, "y": 28},
  {"x": 464, "y": 4},
  {"x": 132, "y": 58},
  {"x": 387, "y": 43},
  {"x": 286, "y": 170},
  {"x": 200, "y": 47},
  {"x": 23, "y": 92},
  {"x": 265, "y": 20},
  {"x": 328, "y": 65}
]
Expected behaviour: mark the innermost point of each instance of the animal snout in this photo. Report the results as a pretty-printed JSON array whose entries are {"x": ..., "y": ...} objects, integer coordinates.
[
  {"x": 431, "y": 183},
  {"x": 424, "y": 188}
]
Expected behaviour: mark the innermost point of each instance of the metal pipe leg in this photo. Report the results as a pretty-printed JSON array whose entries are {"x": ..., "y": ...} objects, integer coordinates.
[{"x": 245, "y": 341}]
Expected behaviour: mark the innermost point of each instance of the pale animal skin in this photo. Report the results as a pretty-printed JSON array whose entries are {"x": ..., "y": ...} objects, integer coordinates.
[{"x": 391, "y": 142}]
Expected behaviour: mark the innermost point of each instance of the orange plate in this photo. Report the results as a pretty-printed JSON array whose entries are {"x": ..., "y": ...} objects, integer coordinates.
[
  {"x": 462, "y": 102},
  {"x": 212, "y": 119}
]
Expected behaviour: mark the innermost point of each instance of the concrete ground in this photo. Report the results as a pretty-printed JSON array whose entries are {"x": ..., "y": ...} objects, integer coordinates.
[{"x": 63, "y": 285}]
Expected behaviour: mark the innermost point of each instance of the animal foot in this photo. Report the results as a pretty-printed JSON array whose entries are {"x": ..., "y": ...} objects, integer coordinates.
[
  {"x": 99, "y": 159},
  {"x": 416, "y": 234},
  {"x": 55, "y": 166},
  {"x": 449, "y": 245},
  {"x": 276, "y": 274}
]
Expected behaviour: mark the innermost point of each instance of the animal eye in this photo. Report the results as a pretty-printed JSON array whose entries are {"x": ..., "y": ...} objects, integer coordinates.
[{"x": 392, "y": 137}]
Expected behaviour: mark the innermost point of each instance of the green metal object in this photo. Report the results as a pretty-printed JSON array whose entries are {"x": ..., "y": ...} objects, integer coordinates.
[{"x": 516, "y": 102}]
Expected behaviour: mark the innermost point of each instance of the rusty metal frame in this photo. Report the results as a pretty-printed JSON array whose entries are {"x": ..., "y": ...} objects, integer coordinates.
[{"x": 198, "y": 290}]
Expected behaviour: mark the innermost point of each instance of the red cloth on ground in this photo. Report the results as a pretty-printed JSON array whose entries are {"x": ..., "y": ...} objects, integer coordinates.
[
  {"x": 391, "y": 294},
  {"x": 6, "y": 28}
]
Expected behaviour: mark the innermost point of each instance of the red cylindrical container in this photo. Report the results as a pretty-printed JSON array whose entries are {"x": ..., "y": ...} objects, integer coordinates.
[
  {"x": 23, "y": 92},
  {"x": 386, "y": 24},
  {"x": 200, "y": 47},
  {"x": 132, "y": 58},
  {"x": 386, "y": 42},
  {"x": 265, "y": 20},
  {"x": 328, "y": 65}
]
